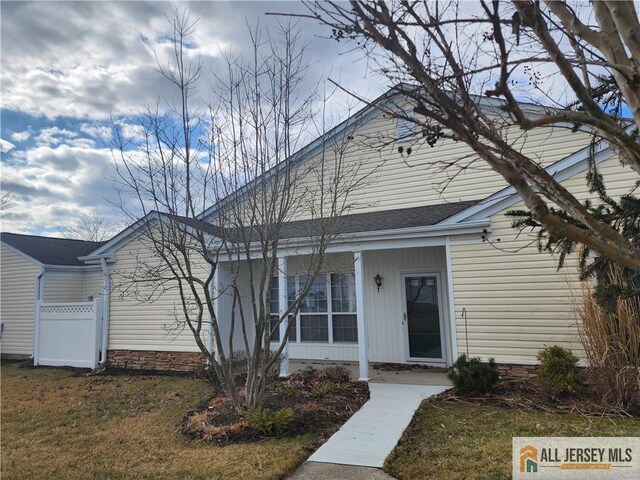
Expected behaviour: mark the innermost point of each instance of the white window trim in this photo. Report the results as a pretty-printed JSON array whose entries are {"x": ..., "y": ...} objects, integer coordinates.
[{"x": 329, "y": 313}]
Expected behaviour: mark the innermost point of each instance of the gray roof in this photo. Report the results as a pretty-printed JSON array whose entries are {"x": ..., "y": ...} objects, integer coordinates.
[
  {"x": 49, "y": 250},
  {"x": 377, "y": 221},
  {"x": 354, "y": 223}
]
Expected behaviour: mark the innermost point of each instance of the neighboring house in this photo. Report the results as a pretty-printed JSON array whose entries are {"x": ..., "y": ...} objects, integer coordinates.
[
  {"x": 420, "y": 274},
  {"x": 44, "y": 268}
]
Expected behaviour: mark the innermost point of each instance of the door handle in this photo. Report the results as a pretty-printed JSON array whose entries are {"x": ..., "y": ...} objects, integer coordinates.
[{"x": 404, "y": 318}]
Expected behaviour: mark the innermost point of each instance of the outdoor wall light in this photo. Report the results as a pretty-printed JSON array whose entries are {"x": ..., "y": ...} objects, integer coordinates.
[{"x": 378, "y": 280}]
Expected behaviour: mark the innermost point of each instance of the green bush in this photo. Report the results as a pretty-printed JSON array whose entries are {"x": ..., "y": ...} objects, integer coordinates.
[
  {"x": 558, "y": 372},
  {"x": 269, "y": 422},
  {"x": 472, "y": 375}
]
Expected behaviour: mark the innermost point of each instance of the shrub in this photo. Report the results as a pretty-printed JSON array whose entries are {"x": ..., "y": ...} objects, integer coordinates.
[
  {"x": 336, "y": 374},
  {"x": 611, "y": 342},
  {"x": 307, "y": 374},
  {"x": 269, "y": 422},
  {"x": 472, "y": 375},
  {"x": 558, "y": 372}
]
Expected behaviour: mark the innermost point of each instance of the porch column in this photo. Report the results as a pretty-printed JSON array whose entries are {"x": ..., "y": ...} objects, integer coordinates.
[
  {"x": 363, "y": 359},
  {"x": 216, "y": 296},
  {"x": 284, "y": 325}
]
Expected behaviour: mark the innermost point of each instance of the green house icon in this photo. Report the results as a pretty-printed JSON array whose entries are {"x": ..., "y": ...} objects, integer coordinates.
[{"x": 532, "y": 466}]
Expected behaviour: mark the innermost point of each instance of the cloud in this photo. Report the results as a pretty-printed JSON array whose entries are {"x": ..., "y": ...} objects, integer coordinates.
[
  {"x": 52, "y": 136},
  {"x": 101, "y": 132},
  {"x": 55, "y": 184},
  {"x": 21, "y": 136},
  {"x": 62, "y": 87},
  {"x": 5, "y": 146},
  {"x": 102, "y": 64}
]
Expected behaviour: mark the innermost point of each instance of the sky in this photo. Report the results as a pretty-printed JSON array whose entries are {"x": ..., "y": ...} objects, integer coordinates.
[{"x": 69, "y": 70}]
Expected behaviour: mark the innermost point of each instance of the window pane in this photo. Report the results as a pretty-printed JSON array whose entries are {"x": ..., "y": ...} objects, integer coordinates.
[
  {"x": 343, "y": 292},
  {"x": 345, "y": 328},
  {"x": 316, "y": 299},
  {"x": 291, "y": 290},
  {"x": 314, "y": 328},
  {"x": 274, "y": 291},
  {"x": 275, "y": 337}
]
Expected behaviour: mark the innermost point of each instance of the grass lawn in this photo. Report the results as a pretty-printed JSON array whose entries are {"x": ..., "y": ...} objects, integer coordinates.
[
  {"x": 57, "y": 425},
  {"x": 449, "y": 440}
]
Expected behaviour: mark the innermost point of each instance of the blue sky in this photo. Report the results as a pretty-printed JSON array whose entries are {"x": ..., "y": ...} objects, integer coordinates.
[{"x": 69, "y": 69}]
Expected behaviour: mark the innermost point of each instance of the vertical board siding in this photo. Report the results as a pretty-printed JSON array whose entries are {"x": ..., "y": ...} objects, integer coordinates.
[
  {"x": 516, "y": 300},
  {"x": 383, "y": 309},
  {"x": 17, "y": 303}
]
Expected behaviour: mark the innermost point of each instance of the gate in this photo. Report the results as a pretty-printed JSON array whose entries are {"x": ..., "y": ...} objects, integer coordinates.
[{"x": 68, "y": 334}]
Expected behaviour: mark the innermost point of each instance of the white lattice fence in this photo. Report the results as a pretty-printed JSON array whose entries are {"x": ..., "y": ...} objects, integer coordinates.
[{"x": 68, "y": 334}]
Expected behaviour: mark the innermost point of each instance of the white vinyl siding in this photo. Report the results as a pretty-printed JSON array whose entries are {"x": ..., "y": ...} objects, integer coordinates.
[
  {"x": 144, "y": 325},
  {"x": 17, "y": 302},
  {"x": 516, "y": 303},
  {"x": 92, "y": 284},
  {"x": 395, "y": 180},
  {"x": 64, "y": 286}
]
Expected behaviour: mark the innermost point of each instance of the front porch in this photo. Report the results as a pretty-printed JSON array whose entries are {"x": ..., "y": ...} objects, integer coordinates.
[
  {"x": 373, "y": 304},
  {"x": 383, "y": 373}
]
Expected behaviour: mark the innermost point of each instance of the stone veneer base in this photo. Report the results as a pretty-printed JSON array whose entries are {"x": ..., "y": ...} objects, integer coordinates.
[
  {"x": 194, "y": 361},
  {"x": 156, "y": 360}
]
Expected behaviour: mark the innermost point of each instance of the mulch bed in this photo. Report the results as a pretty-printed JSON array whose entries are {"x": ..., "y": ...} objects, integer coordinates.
[
  {"x": 320, "y": 402},
  {"x": 402, "y": 367},
  {"x": 528, "y": 396}
]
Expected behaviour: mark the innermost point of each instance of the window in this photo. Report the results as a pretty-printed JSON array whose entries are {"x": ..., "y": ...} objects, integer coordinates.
[
  {"x": 405, "y": 129},
  {"x": 327, "y": 313},
  {"x": 343, "y": 303}
]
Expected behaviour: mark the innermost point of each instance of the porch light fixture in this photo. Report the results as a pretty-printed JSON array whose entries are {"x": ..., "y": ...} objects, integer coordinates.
[{"x": 378, "y": 280}]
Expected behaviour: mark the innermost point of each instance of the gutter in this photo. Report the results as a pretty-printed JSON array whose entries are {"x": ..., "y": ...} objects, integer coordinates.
[
  {"x": 36, "y": 326},
  {"x": 106, "y": 297}
]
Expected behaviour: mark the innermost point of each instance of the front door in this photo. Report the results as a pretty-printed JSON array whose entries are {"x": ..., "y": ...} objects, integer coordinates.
[{"x": 423, "y": 316}]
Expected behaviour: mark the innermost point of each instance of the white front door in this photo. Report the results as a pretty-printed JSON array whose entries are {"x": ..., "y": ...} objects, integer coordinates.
[{"x": 423, "y": 319}]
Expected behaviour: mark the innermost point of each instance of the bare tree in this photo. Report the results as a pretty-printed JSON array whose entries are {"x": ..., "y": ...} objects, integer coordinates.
[
  {"x": 7, "y": 201},
  {"x": 443, "y": 55},
  {"x": 237, "y": 156},
  {"x": 95, "y": 228}
]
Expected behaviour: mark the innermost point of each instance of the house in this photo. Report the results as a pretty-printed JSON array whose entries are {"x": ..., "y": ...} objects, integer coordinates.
[
  {"x": 420, "y": 273},
  {"x": 40, "y": 268}
]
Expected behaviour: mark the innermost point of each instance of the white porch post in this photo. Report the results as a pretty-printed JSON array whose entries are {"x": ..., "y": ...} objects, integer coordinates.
[
  {"x": 363, "y": 359},
  {"x": 284, "y": 325},
  {"x": 452, "y": 308},
  {"x": 216, "y": 294}
]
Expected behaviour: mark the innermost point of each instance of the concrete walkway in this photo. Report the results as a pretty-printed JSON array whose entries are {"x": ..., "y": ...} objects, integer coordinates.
[
  {"x": 370, "y": 435},
  {"x": 331, "y": 471}
]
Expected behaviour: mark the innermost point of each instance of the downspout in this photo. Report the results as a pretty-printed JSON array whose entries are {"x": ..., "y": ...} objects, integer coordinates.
[
  {"x": 36, "y": 326},
  {"x": 106, "y": 295}
]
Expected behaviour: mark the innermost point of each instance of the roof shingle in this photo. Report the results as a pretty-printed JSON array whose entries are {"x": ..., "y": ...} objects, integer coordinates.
[{"x": 49, "y": 250}]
